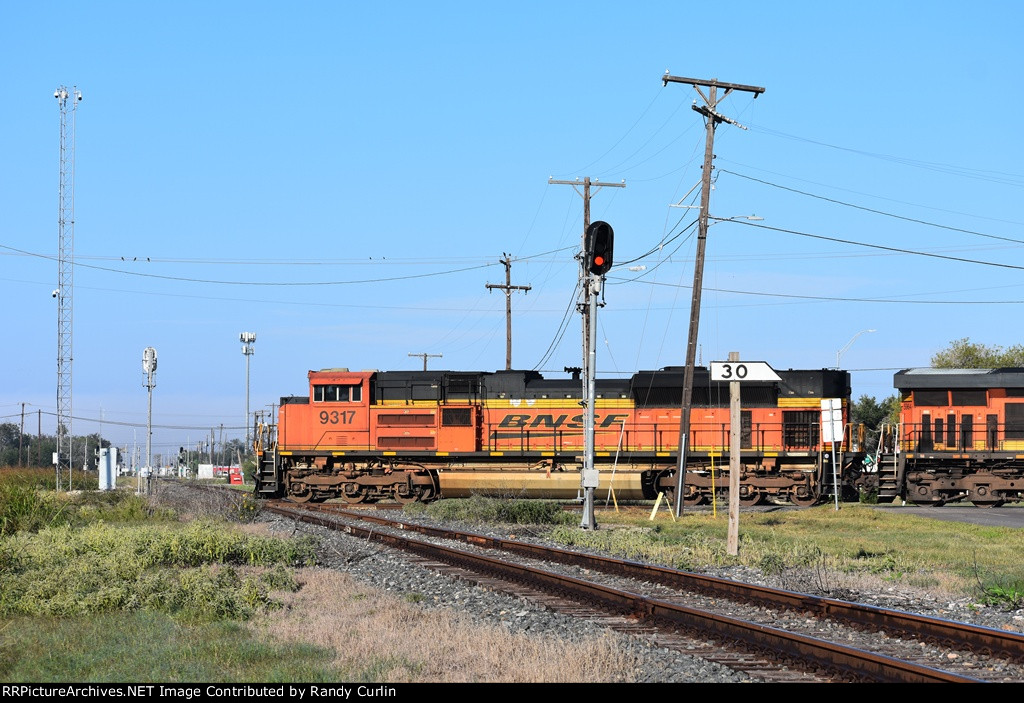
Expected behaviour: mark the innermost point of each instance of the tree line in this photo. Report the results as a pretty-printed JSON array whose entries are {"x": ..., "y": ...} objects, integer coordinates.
[
  {"x": 23, "y": 449},
  {"x": 35, "y": 450}
]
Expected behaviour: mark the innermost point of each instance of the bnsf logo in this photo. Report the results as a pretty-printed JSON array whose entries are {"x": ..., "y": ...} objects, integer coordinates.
[{"x": 573, "y": 423}]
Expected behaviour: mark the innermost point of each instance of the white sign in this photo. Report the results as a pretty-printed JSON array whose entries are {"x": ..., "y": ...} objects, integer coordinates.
[
  {"x": 742, "y": 371},
  {"x": 832, "y": 419}
]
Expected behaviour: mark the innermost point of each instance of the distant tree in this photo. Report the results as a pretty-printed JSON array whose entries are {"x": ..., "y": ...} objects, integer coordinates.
[
  {"x": 38, "y": 451},
  {"x": 964, "y": 354},
  {"x": 871, "y": 413},
  {"x": 234, "y": 448},
  {"x": 9, "y": 444}
]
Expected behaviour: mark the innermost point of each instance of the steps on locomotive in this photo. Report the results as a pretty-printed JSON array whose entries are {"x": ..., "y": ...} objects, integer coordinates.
[
  {"x": 266, "y": 475},
  {"x": 888, "y": 481}
]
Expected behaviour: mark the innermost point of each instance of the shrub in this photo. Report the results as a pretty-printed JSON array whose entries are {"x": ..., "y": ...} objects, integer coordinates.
[
  {"x": 481, "y": 509},
  {"x": 188, "y": 570}
]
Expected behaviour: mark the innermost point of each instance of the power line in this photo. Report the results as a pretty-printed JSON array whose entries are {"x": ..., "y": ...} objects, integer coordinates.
[
  {"x": 882, "y": 247},
  {"x": 830, "y": 298},
  {"x": 996, "y": 176},
  {"x": 107, "y": 421},
  {"x": 78, "y": 264},
  {"x": 873, "y": 210}
]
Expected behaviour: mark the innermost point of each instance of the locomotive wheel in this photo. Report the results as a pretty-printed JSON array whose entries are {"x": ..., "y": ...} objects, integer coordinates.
[
  {"x": 301, "y": 497},
  {"x": 402, "y": 494},
  {"x": 754, "y": 497},
  {"x": 353, "y": 493},
  {"x": 693, "y": 497},
  {"x": 989, "y": 503},
  {"x": 804, "y": 501},
  {"x": 929, "y": 503}
]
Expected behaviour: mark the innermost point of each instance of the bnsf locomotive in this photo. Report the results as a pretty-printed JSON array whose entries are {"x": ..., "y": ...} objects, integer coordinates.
[
  {"x": 417, "y": 436},
  {"x": 960, "y": 438}
]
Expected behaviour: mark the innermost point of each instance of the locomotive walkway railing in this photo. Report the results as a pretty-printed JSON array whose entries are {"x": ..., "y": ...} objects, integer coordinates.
[
  {"x": 664, "y": 437},
  {"x": 952, "y": 434}
]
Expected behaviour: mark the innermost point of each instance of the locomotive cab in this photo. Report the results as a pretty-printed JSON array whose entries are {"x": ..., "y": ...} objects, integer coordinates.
[{"x": 335, "y": 416}]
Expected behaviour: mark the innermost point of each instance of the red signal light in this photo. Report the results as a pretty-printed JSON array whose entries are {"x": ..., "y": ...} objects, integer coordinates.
[{"x": 599, "y": 240}]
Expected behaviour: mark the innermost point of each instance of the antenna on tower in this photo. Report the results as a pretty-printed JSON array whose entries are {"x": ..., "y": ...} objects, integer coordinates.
[{"x": 65, "y": 284}]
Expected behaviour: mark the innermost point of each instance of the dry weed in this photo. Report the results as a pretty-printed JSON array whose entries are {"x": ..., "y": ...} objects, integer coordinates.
[{"x": 378, "y": 637}]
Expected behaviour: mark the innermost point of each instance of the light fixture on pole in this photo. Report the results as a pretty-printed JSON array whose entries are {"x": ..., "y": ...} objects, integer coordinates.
[
  {"x": 849, "y": 344},
  {"x": 247, "y": 339},
  {"x": 149, "y": 368}
]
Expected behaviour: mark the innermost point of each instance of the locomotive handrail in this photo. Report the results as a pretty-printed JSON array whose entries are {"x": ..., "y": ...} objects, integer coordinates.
[
  {"x": 919, "y": 436},
  {"x": 707, "y": 436}
]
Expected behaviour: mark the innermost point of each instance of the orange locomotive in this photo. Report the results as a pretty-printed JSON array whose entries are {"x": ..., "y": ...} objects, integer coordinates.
[
  {"x": 422, "y": 435},
  {"x": 960, "y": 438}
]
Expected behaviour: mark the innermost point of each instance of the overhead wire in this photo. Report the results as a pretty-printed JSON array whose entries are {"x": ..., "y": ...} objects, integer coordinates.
[
  {"x": 828, "y": 298},
  {"x": 882, "y": 247},
  {"x": 562, "y": 327},
  {"x": 873, "y": 210},
  {"x": 1013, "y": 179}
]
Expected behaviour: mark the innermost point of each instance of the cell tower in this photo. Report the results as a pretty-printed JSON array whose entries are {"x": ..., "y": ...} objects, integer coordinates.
[{"x": 65, "y": 279}]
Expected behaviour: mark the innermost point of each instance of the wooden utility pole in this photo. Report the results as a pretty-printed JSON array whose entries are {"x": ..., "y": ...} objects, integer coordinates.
[
  {"x": 424, "y": 357},
  {"x": 711, "y": 120},
  {"x": 735, "y": 448},
  {"x": 585, "y": 303},
  {"x": 508, "y": 288}
]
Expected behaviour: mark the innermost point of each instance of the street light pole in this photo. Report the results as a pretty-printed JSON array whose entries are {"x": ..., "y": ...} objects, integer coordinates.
[
  {"x": 247, "y": 339},
  {"x": 149, "y": 368},
  {"x": 849, "y": 344}
]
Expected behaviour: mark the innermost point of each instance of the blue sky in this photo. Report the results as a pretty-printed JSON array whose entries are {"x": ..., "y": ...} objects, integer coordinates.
[{"x": 342, "y": 179}]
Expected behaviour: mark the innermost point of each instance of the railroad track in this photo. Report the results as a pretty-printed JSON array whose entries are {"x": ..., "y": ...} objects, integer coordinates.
[{"x": 698, "y": 614}]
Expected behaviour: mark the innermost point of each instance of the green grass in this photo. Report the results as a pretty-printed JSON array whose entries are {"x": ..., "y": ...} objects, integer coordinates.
[
  {"x": 28, "y": 503},
  {"x": 182, "y": 569},
  {"x": 101, "y": 587},
  {"x": 857, "y": 539},
  {"x": 974, "y": 560},
  {"x": 481, "y": 509},
  {"x": 104, "y": 587},
  {"x": 145, "y": 647}
]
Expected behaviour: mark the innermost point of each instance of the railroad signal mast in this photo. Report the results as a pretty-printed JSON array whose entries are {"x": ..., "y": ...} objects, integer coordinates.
[
  {"x": 586, "y": 184},
  {"x": 597, "y": 260}
]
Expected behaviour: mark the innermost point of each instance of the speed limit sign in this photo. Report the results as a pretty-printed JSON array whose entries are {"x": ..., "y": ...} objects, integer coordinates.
[{"x": 742, "y": 371}]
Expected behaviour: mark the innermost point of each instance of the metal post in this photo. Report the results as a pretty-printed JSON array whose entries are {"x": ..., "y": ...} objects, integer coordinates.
[
  {"x": 589, "y": 476},
  {"x": 149, "y": 430},
  {"x": 247, "y": 339},
  {"x": 149, "y": 362}
]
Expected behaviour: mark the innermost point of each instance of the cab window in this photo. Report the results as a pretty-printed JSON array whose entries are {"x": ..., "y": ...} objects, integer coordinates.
[{"x": 335, "y": 393}]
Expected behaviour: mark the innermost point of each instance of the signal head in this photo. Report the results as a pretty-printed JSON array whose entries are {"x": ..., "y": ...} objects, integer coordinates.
[{"x": 600, "y": 240}]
